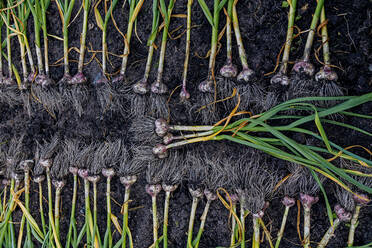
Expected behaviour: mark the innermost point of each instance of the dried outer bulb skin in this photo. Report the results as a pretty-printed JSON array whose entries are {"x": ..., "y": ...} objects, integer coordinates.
[
  {"x": 229, "y": 70},
  {"x": 234, "y": 198},
  {"x": 281, "y": 79},
  {"x": 342, "y": 214},
  {"x": 108, "y": 172},
  {"x": 39, "y": 178},
  {"x": 197, "y": 193},
  {"x": 159, "y": 88},
  {"x": 26, "y": 164},
  {"x": 168, "y": 138},
  {"x": 73, "y": 170},
  {"x": 206, "y": 86},
  {"x": 160, "y": 151},
  {"x": 94, "y": 178},
  {"x": 210, "y": 195},
  {"x": 59, "y": 184},
  {"x": 326, "y": 73},
  {"x": 184, "y": 94},
  {"x": 161, "y": 127},
  {"x": 169, "y": 188},
  {"x": 141, "y": 87},
  {"x": 153, "y": 189},
  {"x": 304, "y": 67},
  {"x": 46, "y": 163},
  {"x": 261, "y": 212},
  {"x": 308, "y": 200},
  {"x": 288, "y": 201},
  {"x": 43, "y": 80},
  {"x": 83, "y": 173},
  {"x": 5, "y": 182},
  {"x": 79, "y": 78},
  {"x": 128, "y": 181},
  {"x": 18, "y": 177},
  {"x": 245, "y": 75}
]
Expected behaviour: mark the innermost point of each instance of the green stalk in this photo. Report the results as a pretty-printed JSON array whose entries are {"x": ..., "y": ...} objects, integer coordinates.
[
  {"x": 52, "y": 228},
  {"x": 326, "y": 71},
  {"x": 291, "y": 19},
  {"x": 108, "y": 235},
  {"x": 165, "y": 222},
  {"x": 330, "y": 232},
  {"x": 35, "y": 8},
  {"x": 27, "y": 205},
  {"x": 29, "y": 56},
  {"x": 195, "y": 201},
  {"x": 23, "y": 15},
  {"x": 208, "y": 85},
  {"x": 11, "y": 224},
  {"x": 8, "y": 214},
  {"x": 50, "y": 206},
  {"x": 203, "y": 218},
  {"x": 133, "y": 5},
  {"x": 148, "y": 63},
  {"x": 190, "y": 128},
  {"x": 20, "y": 232},
  {"x": 154, "y": 32},
  {"x": 282, "y": 227},
  {"x": 233, "y": 227},
  {"x": 326, "y": 53},
  {"x": 23, "y": 56},
  {"x": 142, "y": 86},
  {"x": 57, "y": 209},
  {"x": 155, "y": 223},
  {"x": 246, "y": 73},
  {"x": 90, "y": 236},
  {"x": 310, "y": 37},
  {"x": 125, "y": 216},
  {"x": 256, "y": 233},
  {"x": 184, "y": 95},
  {"x": 242, "y": 220},
  {"x": 4, "y": 204},
  {"x": 12, "y": 240},
  {"x": 214, "y": 41},
  {"x": 9, "y": 48},
  {"x": 238, "y": 37},
  {"x": 228, "y": 32},
  {"x": 306, "y": 240},
  {"x": 41, "y": 208},
  {"x": 72, "y": 227},
  {"x": 83, "y": 36},
  {"x": 104, "y": 34},
  {"x": 96, "y": 235},
  {"x": 187, "y": 136},
  {"x": 167, "y": 17},
  {"x": 67, "y": 10},
  {"x": 1, "y": 55},
  {"x": 353, "y": 225},
  {"x": 44, "y": 6}
]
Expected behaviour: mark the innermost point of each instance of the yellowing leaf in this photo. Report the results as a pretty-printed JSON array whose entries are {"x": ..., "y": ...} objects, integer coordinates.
[
  {"x": 98, "y": 16},
  {"x": 114, "y": 220}
]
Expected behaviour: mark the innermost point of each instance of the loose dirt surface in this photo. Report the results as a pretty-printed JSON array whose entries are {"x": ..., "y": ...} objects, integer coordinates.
[{"x": 263, "y": 27}]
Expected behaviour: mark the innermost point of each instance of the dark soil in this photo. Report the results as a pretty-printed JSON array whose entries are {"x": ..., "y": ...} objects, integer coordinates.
[{"x": 263, "y": 27}]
